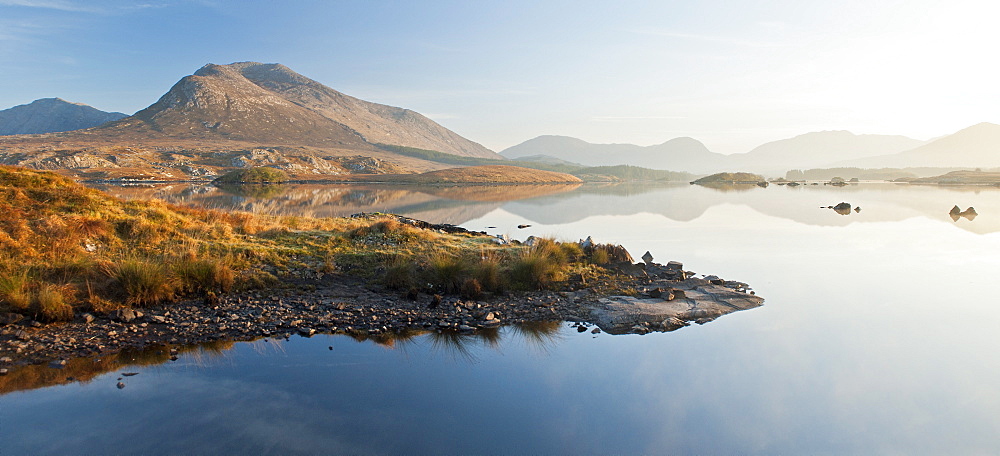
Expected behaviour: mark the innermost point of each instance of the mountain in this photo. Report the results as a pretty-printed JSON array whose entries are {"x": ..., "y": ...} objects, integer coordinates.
[
  {"x": 817, "y": 149},
  {"x": 805, "y": 151},
  {"x": 49, "y": 115},
  {"x": 680, "y": 154},
  {"x": 258, "y": 102},
  {"x": 244, "y": 115},
  {"x": 975, "y": 146}
]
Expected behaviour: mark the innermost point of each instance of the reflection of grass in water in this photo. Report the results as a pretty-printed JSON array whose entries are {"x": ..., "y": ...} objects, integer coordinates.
[
  {"x": 391, "y": 340},
  {"x": 539, "y": 335},
  {"x": 83, "y": 370},
  {"x": 254, "y": 190},
  {"x": 457, "y": 344}
]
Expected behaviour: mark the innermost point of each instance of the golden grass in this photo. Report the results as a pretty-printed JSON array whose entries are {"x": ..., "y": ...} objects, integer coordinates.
[{"x": 64, "y": 246}]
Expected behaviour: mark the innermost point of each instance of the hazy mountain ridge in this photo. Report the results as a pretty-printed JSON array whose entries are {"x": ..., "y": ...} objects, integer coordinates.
[
  {"x": 975, "y": 146},
  {"x": 820, "y": 148},
  {"x": 49, "y": 115},
  {"x": 678, "y": 154}
]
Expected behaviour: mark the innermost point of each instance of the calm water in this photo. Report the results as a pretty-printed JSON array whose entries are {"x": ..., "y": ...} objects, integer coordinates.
[{"x": 879, "y": 335}]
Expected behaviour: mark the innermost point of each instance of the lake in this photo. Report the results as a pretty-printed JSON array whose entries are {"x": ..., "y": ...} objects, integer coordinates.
[{"x": 877, "y": 336}]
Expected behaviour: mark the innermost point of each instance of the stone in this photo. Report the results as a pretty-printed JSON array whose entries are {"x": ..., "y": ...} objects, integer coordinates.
[
  {"x": 955, "y": 210},
  {"x": 521, "y": 227},
  {"x": 587, "y": 243},
  {"x": 9, "y": 318},
  {"x": 88, "y": 318},
  {"x": 158, "y": 319},
  {"x": 531, "y": 241},
  {"x": 123, "y": 315},
  {"x": 675, "y": 266},
  {"x": 490, "y": 316},
  {"x": 842, "y": 208},
  {"x": 58, "y": 364},
  {"x": 120, "y": 385},
  {"x": 857, "y": 209},
  {"x": 306, "y": 332},
  {"x": 6, "y": 359},
  {"x": 647, "y": 258},
  {"x": 596, "y": 331}
]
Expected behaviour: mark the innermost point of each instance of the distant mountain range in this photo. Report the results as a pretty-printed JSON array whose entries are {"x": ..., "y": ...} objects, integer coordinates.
[
  {"x": 801, "y": 152},
  {"x": 977, "y": 146},
  {"x": 49, "y": 115},
  {"x": 684, "y": 154}
]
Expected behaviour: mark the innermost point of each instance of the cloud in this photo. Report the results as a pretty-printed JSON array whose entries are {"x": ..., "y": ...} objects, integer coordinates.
[{"x": 50, "y": 4}]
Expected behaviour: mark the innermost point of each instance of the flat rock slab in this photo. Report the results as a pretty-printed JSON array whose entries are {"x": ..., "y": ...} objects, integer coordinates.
[{"x": 702, "y": 302}]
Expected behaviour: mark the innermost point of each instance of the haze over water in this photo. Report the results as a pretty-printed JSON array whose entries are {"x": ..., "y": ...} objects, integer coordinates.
[{"x": 876, "y": 336}]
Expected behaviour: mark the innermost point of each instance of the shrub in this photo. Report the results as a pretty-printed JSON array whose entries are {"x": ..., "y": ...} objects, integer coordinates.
[{"x": 262, "y": 175}]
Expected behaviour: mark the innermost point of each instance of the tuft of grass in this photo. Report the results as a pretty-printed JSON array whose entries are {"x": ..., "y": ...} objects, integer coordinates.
[
  {"x": 471, "y": 289},
  {"x": 535, "y": 268},
  {"x": 14, "y": 291},
  {"x": 51, "y": 303},
  {"x": 399, "y": 274},
  {"x": 488, "y": 273},
  {"x": 144, "y": 282},
  {"x": 447, "y": 271},
  {"x": 600, "y": 255},
  {"x": 204, "y": 274}
]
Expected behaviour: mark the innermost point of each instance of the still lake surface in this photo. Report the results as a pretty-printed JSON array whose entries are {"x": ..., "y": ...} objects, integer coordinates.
[{"x": 879, "y": 334}]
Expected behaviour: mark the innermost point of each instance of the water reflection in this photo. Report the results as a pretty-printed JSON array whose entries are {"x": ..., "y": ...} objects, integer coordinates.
[
  {"x": 561, "y": 204},
  {"x": 457, "y": 345},
  {"x": 84, "y": 370}
]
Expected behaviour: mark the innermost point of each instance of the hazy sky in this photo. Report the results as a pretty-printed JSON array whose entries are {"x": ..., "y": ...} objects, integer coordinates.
[{"x": 731, "y": 74}]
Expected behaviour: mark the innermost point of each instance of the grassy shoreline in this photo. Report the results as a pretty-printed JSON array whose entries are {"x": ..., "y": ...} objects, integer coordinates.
[{"x": 66, "y": 249}]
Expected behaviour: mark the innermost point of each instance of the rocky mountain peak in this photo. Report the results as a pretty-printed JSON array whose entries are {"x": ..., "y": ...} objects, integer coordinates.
[{"x": 269, "y": 102}]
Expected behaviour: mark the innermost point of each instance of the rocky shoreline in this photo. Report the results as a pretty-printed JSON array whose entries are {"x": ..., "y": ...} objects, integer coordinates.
[{"x": 666, "y": 299}]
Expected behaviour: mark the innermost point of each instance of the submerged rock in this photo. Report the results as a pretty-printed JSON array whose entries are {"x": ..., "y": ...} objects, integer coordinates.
[{"x": 700, "y": 301}]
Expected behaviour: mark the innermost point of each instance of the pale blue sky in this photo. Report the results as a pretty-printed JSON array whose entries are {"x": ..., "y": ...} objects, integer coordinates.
[{"x": 731, "y": 74}]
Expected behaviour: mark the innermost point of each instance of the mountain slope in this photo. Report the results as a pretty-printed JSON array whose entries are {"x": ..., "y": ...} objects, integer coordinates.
[
  {"x": 684, "y": 154},
  {"x": 48, "y": 115},
  {"x": 251, "y": 101},
  {"x": 975, "y": 146},
  {"x": 820, "y": 148}
]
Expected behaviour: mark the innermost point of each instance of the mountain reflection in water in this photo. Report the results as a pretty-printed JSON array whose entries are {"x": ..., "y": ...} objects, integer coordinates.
[{"x": 560, "y": 204}]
